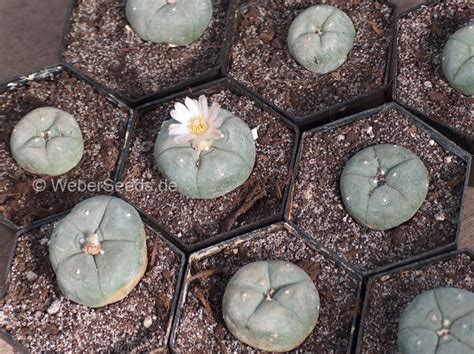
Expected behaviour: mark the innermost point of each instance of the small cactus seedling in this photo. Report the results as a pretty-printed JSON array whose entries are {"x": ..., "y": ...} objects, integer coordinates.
[
  {"x": 458, "y": 60},
  {"x": 208, "y": 154},
  {"x": 383, "y": 186},
  {"x": 177, "y": 22},
  {"x": 47, "y": 141},
  {"x": 271, "y": 305},
  {"x": 98, "y": 251},
  {"x": 438, "y": 321},
  {"x": 320, "y": 38}
]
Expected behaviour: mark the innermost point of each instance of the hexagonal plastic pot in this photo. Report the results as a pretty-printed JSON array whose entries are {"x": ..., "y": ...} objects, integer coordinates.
[
  {"x": 30, "y": 244},
  {"x": 268, "y": 56},
  {"x": 156, "y": 86},
  {"x": 315, "y": 206},
  {"x": 194, "y": 223},
  {"x": 199, "y": 325},
  {"x": 433, "y": 101},
  {"x": 103, "y": 120},
  {"x": 387, "y": 295}
]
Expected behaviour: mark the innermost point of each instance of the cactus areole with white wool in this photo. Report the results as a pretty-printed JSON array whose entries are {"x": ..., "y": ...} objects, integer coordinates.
[
  {"x": 98, "y": 251},
  {"x": 271, "y": 305},
  {"x": 47, "y": 141},
  {"x": 177, "y": 22},
  {"x": 206, "y": 151},
  {"x": 438, "y": 321},
  {"x": 383, "y": 186},
  {"x": 320, "y": 38}
]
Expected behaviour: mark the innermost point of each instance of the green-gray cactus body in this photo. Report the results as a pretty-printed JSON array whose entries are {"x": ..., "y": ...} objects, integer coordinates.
[
  {"x": 211, "y": 174},
  {"x": 47, "y": 141},
  {"x": 438, "y": 321},
  {"x": 271, "y": 305},
  {"x": 383, "y": 186},
  {"x": 458, "y": 60},
  {"x": 177, "y": 22},
  {"x": 320, "y": 38},
  {"x": 98, "y": 251}
]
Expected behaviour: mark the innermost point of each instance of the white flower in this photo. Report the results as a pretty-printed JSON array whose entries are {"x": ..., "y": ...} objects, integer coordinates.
[{"x": 198, "y": 124}]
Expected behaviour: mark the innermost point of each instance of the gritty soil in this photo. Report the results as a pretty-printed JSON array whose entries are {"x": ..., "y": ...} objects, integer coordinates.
[
  {"x": 104, "y": 46},
  {"x": 194, "y": 220},
  {"x": 389, "y": 295},
  {"x": 317, "y": 207},
  {"x": 261, "y": 60},
  {"x": 201, "y": 327},
  {"x": 103, "y": 128},
  {"x": 119, "y": 327},
  {"x": 420, "y": 80}
]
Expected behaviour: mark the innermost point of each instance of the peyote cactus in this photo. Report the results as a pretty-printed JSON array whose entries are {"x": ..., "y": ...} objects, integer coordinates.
[
  {"x": 320, "y": 38},
  {"x": 209, "y": 154},
  {"x": 98, "y": 251},
  {"x": 383, "y": 186},
  {"x": 47, "y": 141},
  {"x": 458, "y": 60},
  {"x": 177, "y": 22},
  {"x": 438, "y": 321},
  {"x": 271, "y": 305}
]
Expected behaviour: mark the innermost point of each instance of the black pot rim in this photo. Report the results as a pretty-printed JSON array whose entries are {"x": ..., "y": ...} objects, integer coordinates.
[
  {"x": 359, "y": 103},
  {"x": 221, "y": 83},
  {"x": 51, "y": 72},
  {"x": 459, "y": 137},
  {"x": 217, "y": 247},
  {"x": 17, "y": 347},
  {"x": 207, "y": 76},
  {"x": 414, "y": 265},
  {"x": 435, "y": 135}
]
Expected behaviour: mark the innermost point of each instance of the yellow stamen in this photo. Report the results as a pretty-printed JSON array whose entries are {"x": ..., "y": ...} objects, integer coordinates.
[{"x": 198, "y": 125}]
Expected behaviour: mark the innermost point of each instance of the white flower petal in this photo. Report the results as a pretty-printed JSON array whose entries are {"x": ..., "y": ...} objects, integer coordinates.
[
  {"x": 213, "y": 113},
  {"x": 181, "y": 139},
  {"x": 181, "y": 113},
  {"x": 178, "y": 129},
  {"x": 182, "y": 133},
  {"x": 213, "y": 134},
  {"x": 192, "y": 106},
  {"x": 203, "y": 107},
  {"x": 218, "y": 121}
]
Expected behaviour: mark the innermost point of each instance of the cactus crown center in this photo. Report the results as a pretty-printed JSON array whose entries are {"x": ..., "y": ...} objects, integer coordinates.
[
  {"x": 270, "y": 294},
  {"x": 380, "y": 177},
  {"x": 318, "y": 30},
  {"x": 46, "y": 135},
  {"x": 171, "y": 2},
  {"x": 92, "y": 245},
  {"x": 198, "y": 125}
]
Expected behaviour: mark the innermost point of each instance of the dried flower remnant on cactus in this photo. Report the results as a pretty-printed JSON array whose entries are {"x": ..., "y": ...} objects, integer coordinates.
[
  {"x": 47, "y": 141},
  {"x": 320, "y": 38},
  {"x": 440, "y": 320},
  {"x": 206, "y": 151},
  {"x": 458, "y": 60},
  {"x": 271, "y": 305},
  {"x": 98, "y": 251},
  {"x": 177, "y": 22}
]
